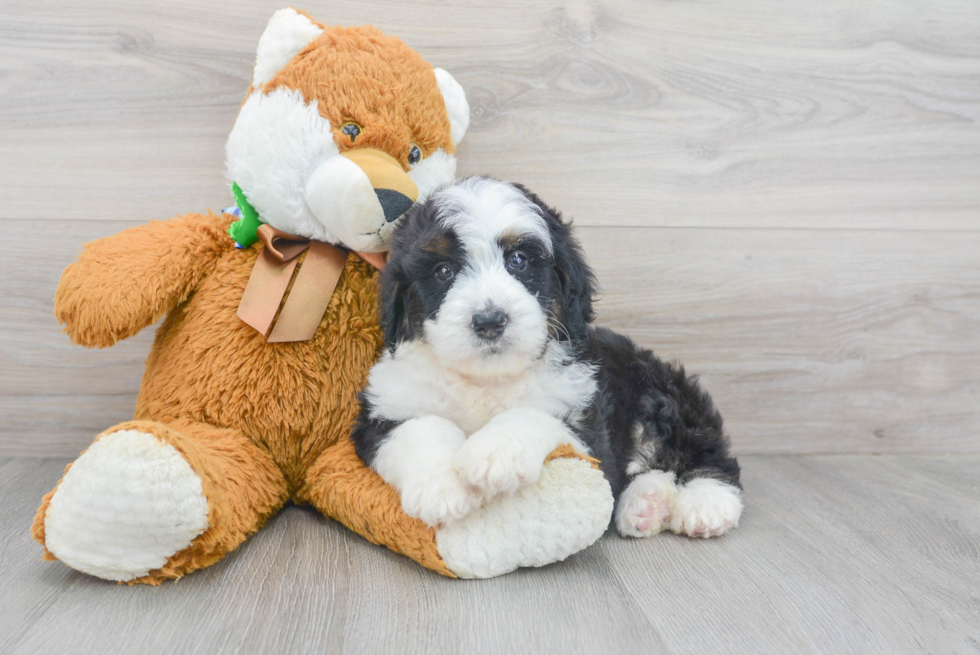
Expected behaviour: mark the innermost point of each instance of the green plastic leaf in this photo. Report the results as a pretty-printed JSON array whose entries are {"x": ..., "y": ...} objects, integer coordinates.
[{"x": 243, "y": 231}]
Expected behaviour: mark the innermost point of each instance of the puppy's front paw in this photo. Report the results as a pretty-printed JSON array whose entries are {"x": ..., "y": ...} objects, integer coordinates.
[
  {"x": 493, "y": 461},
  {"x": 706, "y": 508},
  {"x": 438, "y": 499}
]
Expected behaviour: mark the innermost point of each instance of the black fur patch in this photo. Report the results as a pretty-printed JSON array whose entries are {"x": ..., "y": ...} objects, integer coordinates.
[
  {"x": 678, "y": 420},
  {"x": 575, "y": 282},
  {"x": 369, "y": 433},
  {"x": 410, "y": 290}
]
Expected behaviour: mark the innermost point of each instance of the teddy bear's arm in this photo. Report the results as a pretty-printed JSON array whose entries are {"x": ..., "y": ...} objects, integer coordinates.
[{"x": 122, "y": 283}]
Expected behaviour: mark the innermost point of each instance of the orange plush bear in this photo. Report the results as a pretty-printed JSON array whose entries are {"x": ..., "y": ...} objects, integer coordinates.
[{"x": 271, "y": 326}]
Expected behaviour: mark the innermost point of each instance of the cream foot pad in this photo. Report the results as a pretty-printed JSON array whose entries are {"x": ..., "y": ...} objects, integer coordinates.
[
  {"x": 125, "y": 506},
  {"x": 566, "y": 510}
]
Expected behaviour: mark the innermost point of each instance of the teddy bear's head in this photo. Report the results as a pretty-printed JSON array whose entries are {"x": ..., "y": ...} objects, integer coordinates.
[{"x": 342, "y": 131}]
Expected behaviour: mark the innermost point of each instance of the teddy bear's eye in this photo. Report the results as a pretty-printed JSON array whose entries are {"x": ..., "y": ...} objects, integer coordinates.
[
  {"x": 351, "y": 129},
  {"x": 414, "y": 154}
]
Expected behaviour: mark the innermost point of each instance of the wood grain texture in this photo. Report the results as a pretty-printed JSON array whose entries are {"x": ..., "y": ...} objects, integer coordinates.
[
  {"x": 839, "y": 554},
  {"x": 823, "y": 342},
  {"x": 799, "y": 114}
]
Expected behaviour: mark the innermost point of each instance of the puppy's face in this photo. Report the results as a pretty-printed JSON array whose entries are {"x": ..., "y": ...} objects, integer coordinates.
[{"x": 486, "y": 274}]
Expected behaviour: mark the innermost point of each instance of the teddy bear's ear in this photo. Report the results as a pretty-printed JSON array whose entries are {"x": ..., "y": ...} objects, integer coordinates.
[
  {"x": 456, "y": 105},
  {"x": 287, "y": 33}
]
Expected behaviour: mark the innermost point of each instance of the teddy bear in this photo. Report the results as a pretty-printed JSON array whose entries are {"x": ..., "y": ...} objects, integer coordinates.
[{"x": 270, "y": 326}]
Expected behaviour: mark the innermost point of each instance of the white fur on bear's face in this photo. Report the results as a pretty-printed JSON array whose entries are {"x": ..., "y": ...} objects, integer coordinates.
[
  {"x": 480, "y": 211},
  {"x": 340, "y": 195},
  {"x": 282, "y": 154},
  {"x": 277, "y": 142},
  {"x": 436, "y": 170}
]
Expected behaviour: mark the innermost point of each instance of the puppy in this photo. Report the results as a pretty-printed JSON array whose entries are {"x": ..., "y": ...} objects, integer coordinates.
[{"x": 491, "y": 363}]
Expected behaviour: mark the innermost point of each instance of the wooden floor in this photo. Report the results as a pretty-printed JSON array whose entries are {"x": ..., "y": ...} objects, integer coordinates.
[
  {"x": 783, "y": 195},
  {"x": 835, "y": 554}
]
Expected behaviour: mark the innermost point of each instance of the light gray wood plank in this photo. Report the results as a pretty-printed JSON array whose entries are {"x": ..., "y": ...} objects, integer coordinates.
[
  {"x": 30, "y": 586},
  {"x": 811, "y": 342},
  {"x": 630, "y": 113},
  {"x": 835, "y": 554}
]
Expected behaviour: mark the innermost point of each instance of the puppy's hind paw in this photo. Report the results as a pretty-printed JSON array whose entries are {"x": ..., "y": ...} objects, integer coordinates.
[
  {"x": 706, "y": 507},
  {"x": 646, "y": 505}
]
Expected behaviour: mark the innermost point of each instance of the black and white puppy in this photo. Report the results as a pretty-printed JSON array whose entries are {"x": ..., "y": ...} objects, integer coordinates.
[{"x": 491, "y": 364}]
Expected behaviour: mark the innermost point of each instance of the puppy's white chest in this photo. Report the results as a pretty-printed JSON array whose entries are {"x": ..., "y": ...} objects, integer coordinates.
[
  {"x": 476, "y": 404},
  {"x": 411, "y": 383}
]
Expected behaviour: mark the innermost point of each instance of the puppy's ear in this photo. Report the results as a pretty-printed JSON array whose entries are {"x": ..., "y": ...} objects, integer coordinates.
[
  {"x": 396, "y": 299},
  {"x": 576, "y": 281}
]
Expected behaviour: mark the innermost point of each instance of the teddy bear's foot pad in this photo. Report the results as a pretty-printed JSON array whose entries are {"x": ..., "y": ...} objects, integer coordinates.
[
  {"x": 124, "y": 507},
  {"x": 564, "y": 511}
]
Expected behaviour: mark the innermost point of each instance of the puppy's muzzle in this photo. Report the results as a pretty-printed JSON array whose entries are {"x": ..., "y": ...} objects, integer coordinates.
[{"x": 489, "y": 324}]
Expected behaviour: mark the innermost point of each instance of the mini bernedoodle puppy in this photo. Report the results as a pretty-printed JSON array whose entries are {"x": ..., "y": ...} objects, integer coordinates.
[{"x": 491, "y": 364}]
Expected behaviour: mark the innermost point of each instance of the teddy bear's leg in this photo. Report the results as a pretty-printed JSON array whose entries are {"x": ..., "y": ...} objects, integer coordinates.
[
  {"x": 342, "y": 487},
  {"x": 149, "y": 501},
  {"x": 566, "y": 510}
]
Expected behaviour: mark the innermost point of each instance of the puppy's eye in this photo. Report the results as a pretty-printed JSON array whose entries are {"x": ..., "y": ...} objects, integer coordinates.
[
  {"x": 517, "y": 262},
  {"x": 414, "y": 155},
  {"x": 351, "y": 129},
  {"x": 444, "y": 273}
]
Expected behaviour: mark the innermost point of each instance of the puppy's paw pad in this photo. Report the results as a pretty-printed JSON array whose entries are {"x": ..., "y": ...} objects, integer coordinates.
[
  {"x": 491, "y": 467},
  {"x": 649, "y": 514},
  {"x": 646, "y": 506},
  {"x": 706, "y": 508},
  {"x": 438, "y": 499}
]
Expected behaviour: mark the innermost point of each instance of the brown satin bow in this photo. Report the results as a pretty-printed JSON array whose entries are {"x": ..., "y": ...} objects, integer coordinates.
[{"x": 310, "y": 294}]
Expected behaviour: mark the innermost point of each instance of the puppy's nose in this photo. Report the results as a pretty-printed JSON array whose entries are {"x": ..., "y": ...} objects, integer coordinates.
[
  {"x": 393, "y": 203},
  {"x": 489, "y": 324}
]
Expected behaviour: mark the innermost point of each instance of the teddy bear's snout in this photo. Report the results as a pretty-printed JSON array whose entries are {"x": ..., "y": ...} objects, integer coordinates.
[
  {"x": 395, "y": 190},
  {"x": 393, "y": 203},
  {"x": 358, "y": 195}
]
